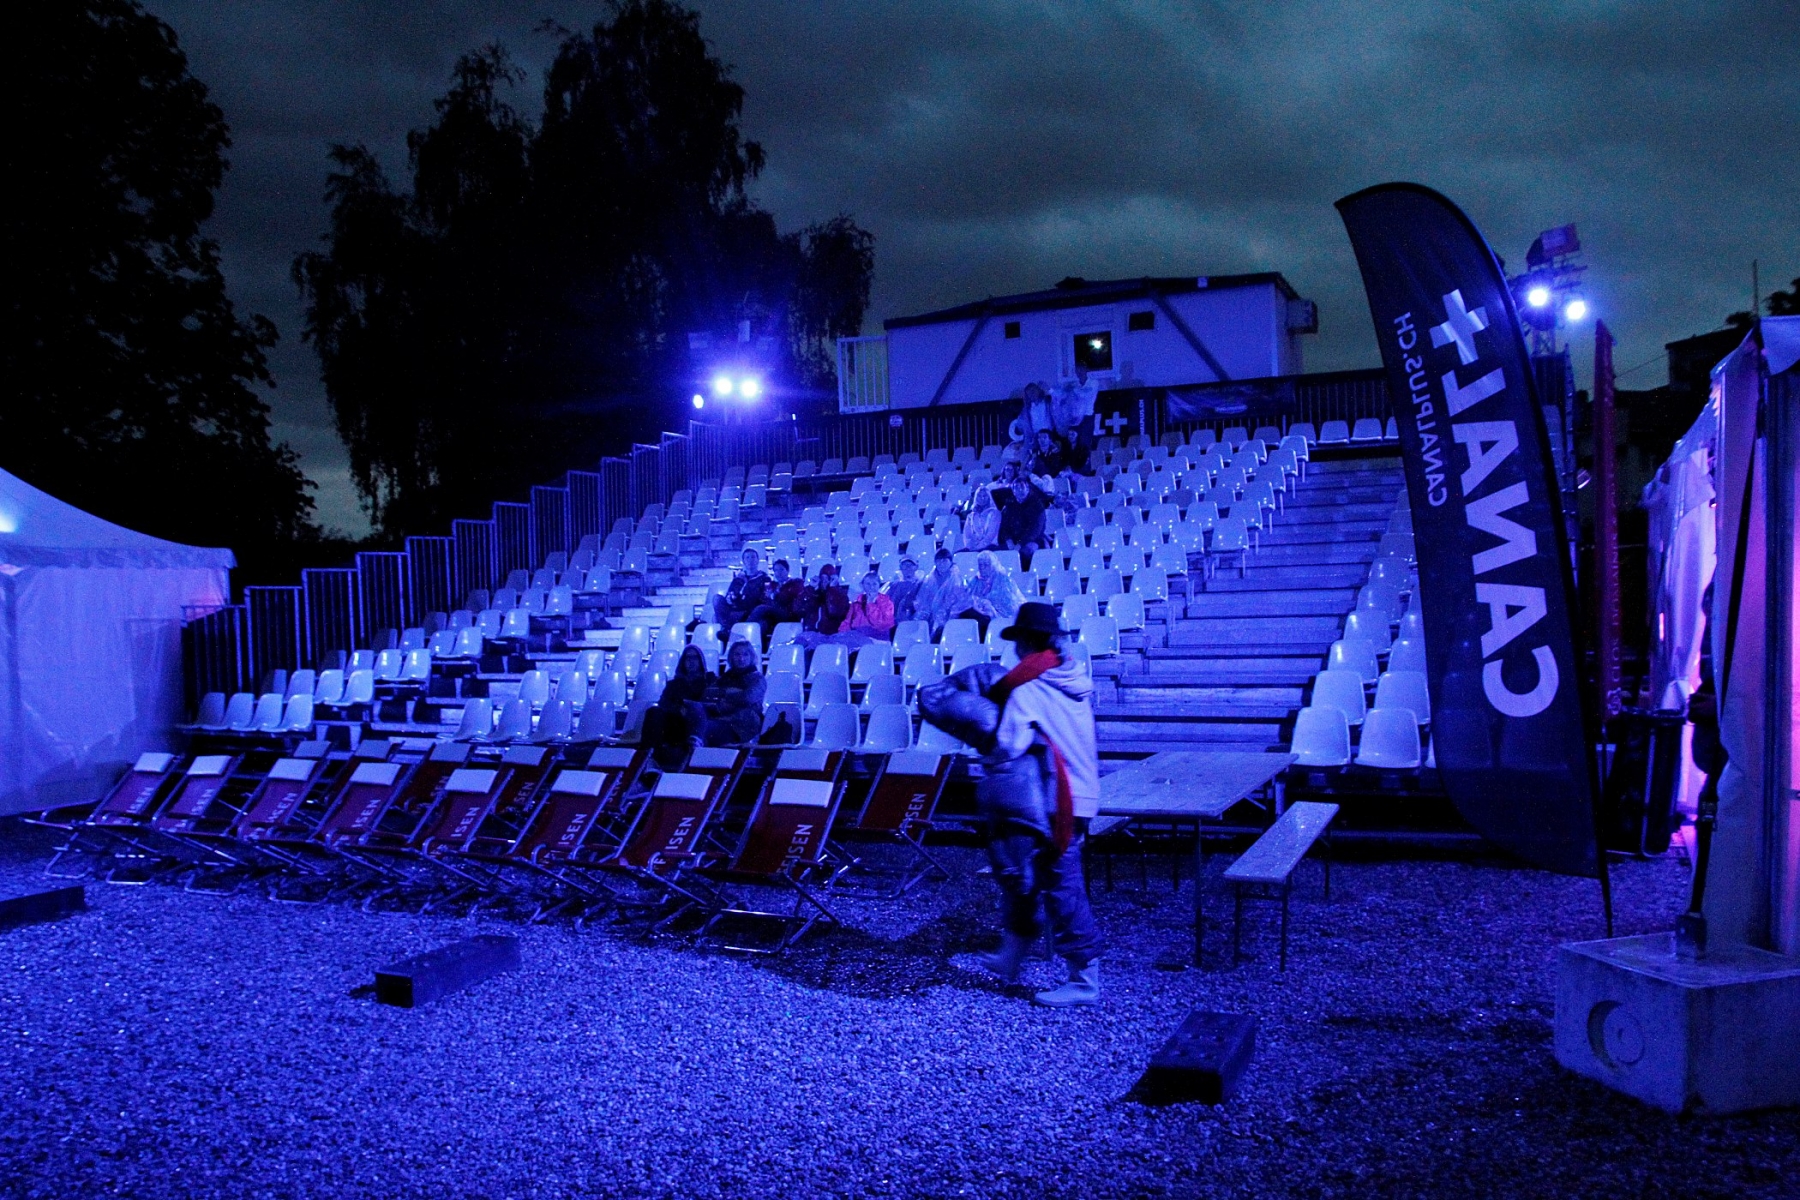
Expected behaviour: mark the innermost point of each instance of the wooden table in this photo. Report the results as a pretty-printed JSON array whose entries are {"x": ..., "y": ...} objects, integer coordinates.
[{"x": 1189, "y": 785}]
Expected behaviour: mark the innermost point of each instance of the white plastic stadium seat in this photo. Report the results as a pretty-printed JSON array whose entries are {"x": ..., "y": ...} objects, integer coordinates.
[
  {"x": 1404, "y": 689},
  {"x": 1342, "y": 690},
  {"x": 1321, "y": 737},
  {"x": 1390, "y": 740},
  {"x": 1368, "y": 429},
  {"x": 1334, "y": 432}
]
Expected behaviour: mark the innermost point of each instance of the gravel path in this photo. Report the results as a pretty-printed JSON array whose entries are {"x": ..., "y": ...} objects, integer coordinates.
[{"x": 167, "y": 1044}]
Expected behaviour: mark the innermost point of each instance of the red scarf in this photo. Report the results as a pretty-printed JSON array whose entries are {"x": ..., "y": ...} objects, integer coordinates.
[{"x": 1062, "y": 826}]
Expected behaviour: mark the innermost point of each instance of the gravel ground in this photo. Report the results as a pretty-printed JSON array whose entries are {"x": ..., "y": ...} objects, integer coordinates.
[{"x": 168, "y": 1044}]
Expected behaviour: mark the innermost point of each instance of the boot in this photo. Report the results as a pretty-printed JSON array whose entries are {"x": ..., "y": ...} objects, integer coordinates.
[
  {"x": 1006, "y": 961},
  {"x": 1083, "y": 987}
]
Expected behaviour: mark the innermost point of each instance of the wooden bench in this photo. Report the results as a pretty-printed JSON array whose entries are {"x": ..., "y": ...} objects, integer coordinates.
[{"x": 1267, "y": 867}]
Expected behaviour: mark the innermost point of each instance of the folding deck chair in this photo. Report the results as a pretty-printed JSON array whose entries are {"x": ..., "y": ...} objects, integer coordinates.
[
  {"x": 275, "y": 804},
  {"x": 130, "y": 803},
  {"x": 900, "y": 805},
  {"x": 785, "y": 845},
  {"x": 544, "y": 853},
  {"x": 668, "y": 832},
  {"x": 321, "y": 853}
]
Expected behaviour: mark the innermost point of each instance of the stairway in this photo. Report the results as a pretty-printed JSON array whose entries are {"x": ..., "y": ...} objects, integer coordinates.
[{"x": 1230, "y": 665}]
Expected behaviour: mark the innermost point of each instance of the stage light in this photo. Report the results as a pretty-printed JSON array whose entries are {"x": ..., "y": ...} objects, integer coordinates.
[
  {"x": 1538, "y": 296},
  {"x": 1576, "y": 310},
  {"x": 1096, "y": 343},
  {"x": 699, "y": 400},
  {"x": 750, "y": 389},
  {"x": 721, "y": 385}
]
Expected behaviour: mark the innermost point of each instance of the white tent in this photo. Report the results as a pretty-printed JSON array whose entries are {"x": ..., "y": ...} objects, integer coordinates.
[{"x": 90, "y": 644}]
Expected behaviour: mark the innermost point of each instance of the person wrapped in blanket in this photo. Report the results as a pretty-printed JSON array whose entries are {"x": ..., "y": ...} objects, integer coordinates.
[
  {"x": 1034, "y": 726},
  {"x": 731, "y": 711}
]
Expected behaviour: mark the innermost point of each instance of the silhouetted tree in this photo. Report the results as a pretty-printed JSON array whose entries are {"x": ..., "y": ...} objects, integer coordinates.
[
  {"x": 526, "y": 306},
  {"x": 129, "y": 375}
]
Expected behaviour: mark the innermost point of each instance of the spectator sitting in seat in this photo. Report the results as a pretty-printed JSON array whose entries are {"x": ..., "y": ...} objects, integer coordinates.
[
  {"x": 748, "y": 591},
  {"x": 981, "y": 528},
  {"x": 992, "y": 592},
  {"x": 666, "y": 727},
  {"x": 942, "y": 596},
  {"x": 1050, "y": 456},
  {"x": 1022, "y": 504},
  {"x": 784, "y": 599},
  {"x": 904, "y": 590},
  {"x": 825, "y": 604},
  {"x": 731, "y": 713},
  {"x": 871, "y": 614}
]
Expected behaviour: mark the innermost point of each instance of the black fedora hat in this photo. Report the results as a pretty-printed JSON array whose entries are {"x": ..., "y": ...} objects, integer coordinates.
[{"x": 1032, "y": 617}]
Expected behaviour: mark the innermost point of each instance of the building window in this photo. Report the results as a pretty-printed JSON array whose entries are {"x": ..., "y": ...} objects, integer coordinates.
[
  {"x": 1141, "y": 322},
  {"x": 1012, "y": 329},
  {"x": 1093, "y": 351}
]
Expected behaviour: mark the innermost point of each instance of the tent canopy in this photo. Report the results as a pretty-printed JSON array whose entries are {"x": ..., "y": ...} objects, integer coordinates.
[
  {"x": 38, "y": 530},
  {"x": 90, "y": 644}
]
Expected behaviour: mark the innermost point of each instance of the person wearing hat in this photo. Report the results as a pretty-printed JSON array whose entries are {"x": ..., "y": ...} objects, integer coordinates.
[{"x": 1042, "y": 788}]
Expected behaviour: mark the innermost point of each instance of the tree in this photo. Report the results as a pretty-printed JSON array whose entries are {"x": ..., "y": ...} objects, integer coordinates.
[
  {"x": 526, "y": 306},
  {"x": 131, "y": 377}
]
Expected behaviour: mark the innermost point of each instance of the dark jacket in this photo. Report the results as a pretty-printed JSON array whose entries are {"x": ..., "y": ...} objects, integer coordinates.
[
  {"x": 736, "y": 698},
  {"x": 1015, "y": 795}
]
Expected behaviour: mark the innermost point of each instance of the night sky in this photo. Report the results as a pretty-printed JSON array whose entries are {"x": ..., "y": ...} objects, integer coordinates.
[{"x": 997, "y": 147}]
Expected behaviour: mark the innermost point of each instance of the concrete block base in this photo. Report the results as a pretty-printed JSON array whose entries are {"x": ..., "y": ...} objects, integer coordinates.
[{"x": 1721, "y": 1035}]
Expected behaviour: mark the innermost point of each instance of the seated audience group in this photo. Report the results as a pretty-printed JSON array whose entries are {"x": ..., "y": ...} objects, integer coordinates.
[{"x": 700, "y": 708}]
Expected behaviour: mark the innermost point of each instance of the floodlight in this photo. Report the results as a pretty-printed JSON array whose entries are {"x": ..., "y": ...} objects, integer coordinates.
[
  {"x": 750, "y": 388},
  {"x": 1575, "y": 310},
  {"x": 721, "y": 385},
  {"x": 1538, "y": 296},
  {"x": 699, "y": 400},
  {"x": 1097, "y": 344}
]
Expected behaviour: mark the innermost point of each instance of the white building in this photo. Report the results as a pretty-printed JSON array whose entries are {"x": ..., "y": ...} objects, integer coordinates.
[{"x": 1150, "y": 332}]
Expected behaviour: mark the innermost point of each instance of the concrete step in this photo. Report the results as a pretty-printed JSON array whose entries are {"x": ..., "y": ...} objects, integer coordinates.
[
  {"x": 1313, "y": 553},
  {"x": 1261, "y": 577},
  {"x": 1255, "y": 631},
  {"x": 1290, "y": 532},
  {"x": 1298, "y": 602},
  {"x": 1170, "y": 692}
]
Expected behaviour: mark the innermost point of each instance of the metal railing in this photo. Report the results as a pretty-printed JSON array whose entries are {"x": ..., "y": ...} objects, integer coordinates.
[{"x": 341, "y": 608}]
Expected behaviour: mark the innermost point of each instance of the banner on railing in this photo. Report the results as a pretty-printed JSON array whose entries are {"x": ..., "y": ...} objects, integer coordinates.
[{"x": 1506, "y": 715}]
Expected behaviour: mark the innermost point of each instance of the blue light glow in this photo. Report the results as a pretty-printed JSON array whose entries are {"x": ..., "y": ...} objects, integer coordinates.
[
  {"x": 1575, "y": 310},
  {"x": 721, "y": 385},
  {"x": 1538, "y": 296}
]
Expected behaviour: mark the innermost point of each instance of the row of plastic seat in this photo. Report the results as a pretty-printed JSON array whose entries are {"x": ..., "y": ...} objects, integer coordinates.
[{"x": 1390, "y": 739}]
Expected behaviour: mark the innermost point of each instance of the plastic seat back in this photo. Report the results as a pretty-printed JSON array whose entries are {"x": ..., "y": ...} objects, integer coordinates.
[
  {"x": 783, "y": 687},
  {"x": 1101, "y": 636},
  {"x": 890, "y": 729},
  {"x": 1407, "y": 654},
  {"x": 837, "y": 729},
  {"x": 1077, "y": 609},
  {"x": 790, "y": 657},
  {"x": 1127, "y": 609},
  {"x": 330, "y": 689},
  {"x": 1404, "y": 689},
  {"x": 534, "y": 688},
  {"x": 556, "y": 723},
  {"x": 884, "y": 689},
  {"x": 477, "y": 723},
  {"x": 298, "y": 718},
  {"x": 1321, "y": 737},
  {"x": 1106, "y": 584},
  {"x": 959, "y": 631},
  {"x": 924, "y": 664},
  {"x": 827, "y": 689},
  {"x": 359, "y": 688},
  {"x": 873, "y": 662},
  {"x": 909, "y": 634},
  {"x": 599, "y": 720},
  {"x": 1349, "y": 655},
  {"x": 515, "y": 721},
  {"x": 1342, "y": 690},
  {"x": 829, "y": 659},
  {"x": 1390, "y": 740}
]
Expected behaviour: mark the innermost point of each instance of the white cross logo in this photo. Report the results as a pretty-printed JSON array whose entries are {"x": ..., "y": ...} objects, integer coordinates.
[
  {"x": 1116, "y": 422},
  {"x": 1460, "y": 326}
]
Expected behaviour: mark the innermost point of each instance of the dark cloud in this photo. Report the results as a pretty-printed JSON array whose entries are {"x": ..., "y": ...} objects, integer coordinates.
[{"x": 995, "y": 147}]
